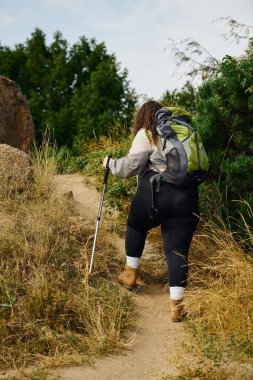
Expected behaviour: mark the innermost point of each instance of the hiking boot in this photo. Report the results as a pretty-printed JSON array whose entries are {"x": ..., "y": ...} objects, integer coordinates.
[
  {"x": 177, "y": 310},
  {"x": 129, "y": 277}
]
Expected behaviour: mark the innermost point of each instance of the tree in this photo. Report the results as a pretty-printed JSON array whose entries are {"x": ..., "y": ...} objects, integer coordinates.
[
  {"x": 102, "y": 100},
  {"x": 77, "y": 89},
  {"x": 185, "y": 98}
]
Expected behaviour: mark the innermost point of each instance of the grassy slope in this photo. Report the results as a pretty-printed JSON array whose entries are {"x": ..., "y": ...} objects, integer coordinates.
[{"x": 48, "y": 313}]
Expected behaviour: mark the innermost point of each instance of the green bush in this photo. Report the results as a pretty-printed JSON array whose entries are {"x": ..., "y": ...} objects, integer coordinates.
[
  {"x": 119, "y": 192},
  {"x": 225, "y": 121}
]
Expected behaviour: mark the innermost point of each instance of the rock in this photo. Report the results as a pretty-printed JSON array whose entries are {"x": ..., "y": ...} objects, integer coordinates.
[
  {"x": 16, "y": 169},
  {"x": 16, "y": 124}
]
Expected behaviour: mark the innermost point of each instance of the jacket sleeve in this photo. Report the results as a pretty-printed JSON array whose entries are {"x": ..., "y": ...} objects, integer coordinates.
[{"x": 136, "y": 160}]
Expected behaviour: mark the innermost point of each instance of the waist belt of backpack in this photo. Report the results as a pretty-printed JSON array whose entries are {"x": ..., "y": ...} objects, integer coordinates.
[
  {"x": 195, "y": 177},
  {"x": 156, "y": 180}
]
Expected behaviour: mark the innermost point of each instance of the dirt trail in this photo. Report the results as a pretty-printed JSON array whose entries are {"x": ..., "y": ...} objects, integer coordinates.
[{"x": 157, "y": 350}]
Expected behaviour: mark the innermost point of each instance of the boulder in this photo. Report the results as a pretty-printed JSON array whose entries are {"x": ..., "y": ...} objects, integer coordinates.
[
  {"x": 16, "y": 123},
  {"x": 16, "y": 169}
]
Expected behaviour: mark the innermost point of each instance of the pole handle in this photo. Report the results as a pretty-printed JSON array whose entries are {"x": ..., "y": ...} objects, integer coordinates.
[{"x": 107, "y": 170}]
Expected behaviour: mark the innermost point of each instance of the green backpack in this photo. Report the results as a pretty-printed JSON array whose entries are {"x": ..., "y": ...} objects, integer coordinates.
[{"x": 182, "y": 146}]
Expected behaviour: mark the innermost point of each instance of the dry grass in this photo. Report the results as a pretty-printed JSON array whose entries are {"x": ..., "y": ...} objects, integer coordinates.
[
  {"x": 31, "y": 374},
  {"x": 219, "y": 299},
  {"x": 48, "y": 312},
  {"x": 200, "y": 373},
  {"x": 209, "y": 372}
]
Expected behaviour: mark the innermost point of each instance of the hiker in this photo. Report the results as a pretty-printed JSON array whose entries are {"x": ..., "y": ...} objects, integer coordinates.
[{"x": 175, "y": 208}]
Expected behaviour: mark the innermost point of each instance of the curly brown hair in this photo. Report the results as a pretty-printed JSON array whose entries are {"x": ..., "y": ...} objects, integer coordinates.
[{"x": 145, "y": 118}]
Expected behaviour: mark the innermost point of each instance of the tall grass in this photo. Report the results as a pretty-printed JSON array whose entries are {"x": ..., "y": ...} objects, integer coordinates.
[
  {"x": 48, "y": 312},
  {"x": 219, "y": 299}
]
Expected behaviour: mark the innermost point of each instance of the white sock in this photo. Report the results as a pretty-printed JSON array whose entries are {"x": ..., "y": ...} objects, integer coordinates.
[
  {"x": 132, "y": 262},
  {"x": 176, "y": 292}
]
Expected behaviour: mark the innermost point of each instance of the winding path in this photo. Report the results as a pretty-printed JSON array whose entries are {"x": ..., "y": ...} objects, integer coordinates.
[{"x": 157, "y": 349}]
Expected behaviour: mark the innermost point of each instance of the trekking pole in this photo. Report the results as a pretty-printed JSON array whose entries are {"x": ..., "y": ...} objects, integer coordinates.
[{"x": 107, "y": 171}]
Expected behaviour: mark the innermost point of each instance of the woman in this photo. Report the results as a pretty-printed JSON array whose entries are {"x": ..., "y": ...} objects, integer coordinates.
[{"x": 176, "y": 208}]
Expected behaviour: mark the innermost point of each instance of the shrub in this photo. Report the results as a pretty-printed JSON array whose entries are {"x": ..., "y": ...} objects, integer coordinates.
[
  {"x": 119, "y": 192},
  {"x": 225, "y": 118}
]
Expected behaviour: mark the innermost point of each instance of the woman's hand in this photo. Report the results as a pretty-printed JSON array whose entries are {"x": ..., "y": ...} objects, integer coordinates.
[{"x": 105, "y": 161}]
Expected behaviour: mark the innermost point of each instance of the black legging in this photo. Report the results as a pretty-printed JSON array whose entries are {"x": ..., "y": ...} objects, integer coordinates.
[{"x": 177, "y": 215}]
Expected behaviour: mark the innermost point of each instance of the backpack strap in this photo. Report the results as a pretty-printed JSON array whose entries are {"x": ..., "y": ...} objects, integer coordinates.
[{"x": 171, "y": 134}]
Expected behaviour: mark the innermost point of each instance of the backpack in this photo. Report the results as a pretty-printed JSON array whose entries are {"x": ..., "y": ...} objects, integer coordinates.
[{"x": 182, "y": 148}]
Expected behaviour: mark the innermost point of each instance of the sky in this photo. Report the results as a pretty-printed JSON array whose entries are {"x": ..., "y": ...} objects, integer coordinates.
[{"x": 136, "y": 31}]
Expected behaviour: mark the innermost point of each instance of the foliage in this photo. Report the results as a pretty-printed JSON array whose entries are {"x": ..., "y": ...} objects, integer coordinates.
[
  {"x": 237, "y": 30},
  {"x": 188, "y": 52},
  {"x": 223, "y": 107},
  {"x": 225, "y": 119},
  {"x": 80, "y": 89},
  {"x": 119, "y": 192},
  {"x": 102, "y": 100},
  {"x": 199, "y": 62},
  {"x": 185, "y": 98}
]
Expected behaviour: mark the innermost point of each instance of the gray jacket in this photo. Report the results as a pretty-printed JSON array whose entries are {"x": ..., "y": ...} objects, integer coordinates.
[{"x": 142, "y": 156}]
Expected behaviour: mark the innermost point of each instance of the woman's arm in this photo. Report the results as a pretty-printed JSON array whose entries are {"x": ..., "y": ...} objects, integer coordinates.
[{"x": 136, "y": 159}]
